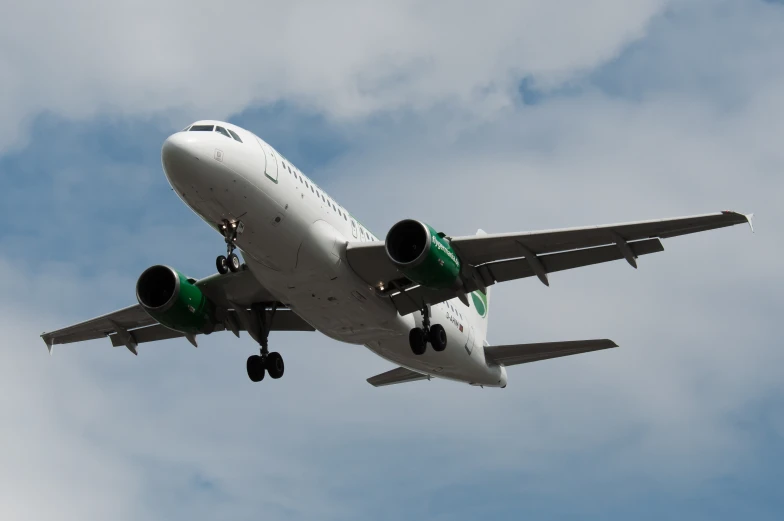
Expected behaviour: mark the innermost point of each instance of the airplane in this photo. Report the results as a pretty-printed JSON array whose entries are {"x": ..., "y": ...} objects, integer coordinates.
[{"x": 419, "y": 298}]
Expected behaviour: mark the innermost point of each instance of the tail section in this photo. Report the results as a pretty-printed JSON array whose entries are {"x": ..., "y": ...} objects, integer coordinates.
[{"x": 480, "y": 302}]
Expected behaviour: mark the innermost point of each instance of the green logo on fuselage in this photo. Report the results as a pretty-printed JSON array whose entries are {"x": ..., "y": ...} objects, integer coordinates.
[{"x": 480, "y": 303}]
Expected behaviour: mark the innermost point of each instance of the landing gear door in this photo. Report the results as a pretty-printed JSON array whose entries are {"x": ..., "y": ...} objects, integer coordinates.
[{"x": 271, "y": 162}]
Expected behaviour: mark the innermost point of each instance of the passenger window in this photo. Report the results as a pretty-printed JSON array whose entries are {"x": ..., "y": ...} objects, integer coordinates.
[
  {"x": 234, "y": 135},
  {"x": 312, "y": 190},
  {"x": 222, "y": 131},
  {"x": 306, "y": 184},
  {"x": 344, "y": 217},
  {"x": 284, "y": 165}
]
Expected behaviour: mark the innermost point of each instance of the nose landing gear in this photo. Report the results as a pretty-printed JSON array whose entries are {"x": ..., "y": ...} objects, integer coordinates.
[
  {"x": 420, "y": 336},
  {"x": 231, "y": 261}
]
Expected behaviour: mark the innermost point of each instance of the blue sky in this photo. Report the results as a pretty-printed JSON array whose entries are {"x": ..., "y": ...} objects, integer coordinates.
[{"x": 551, "y": 116}]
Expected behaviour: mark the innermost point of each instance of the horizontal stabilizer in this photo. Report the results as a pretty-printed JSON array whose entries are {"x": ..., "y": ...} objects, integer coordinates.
[
  {"x": 515, "y": 354},
  {"x": 396, "y": 376}
]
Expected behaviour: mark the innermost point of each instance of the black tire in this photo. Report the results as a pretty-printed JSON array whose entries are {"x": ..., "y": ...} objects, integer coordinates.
[
  {"x": 255, "y": 368},
  {"x": 234, "y": 262},
  {"x": 222, "y": 264},
  {"x": 417, "y": 340},
  {"x": 438, "y": 337},
  {"x": 274, "y": 365}
]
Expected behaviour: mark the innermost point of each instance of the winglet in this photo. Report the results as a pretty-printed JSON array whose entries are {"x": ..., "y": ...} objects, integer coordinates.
[
  {"x": 49, "y": 342},
  {"x": 192, "y": 339},
  {"x": 749, "y": 217}
]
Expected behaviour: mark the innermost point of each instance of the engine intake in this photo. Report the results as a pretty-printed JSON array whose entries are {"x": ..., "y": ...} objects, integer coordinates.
[
  {"x": 174, "y": 301},
  {"x": 422, "y": 254}
]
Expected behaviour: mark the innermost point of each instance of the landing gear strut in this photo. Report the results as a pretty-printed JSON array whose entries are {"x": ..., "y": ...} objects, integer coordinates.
[
  {"x": 264, "y": 362},
  {"x": 230, "y": 262},
  {"x": 420, "y": 336}
]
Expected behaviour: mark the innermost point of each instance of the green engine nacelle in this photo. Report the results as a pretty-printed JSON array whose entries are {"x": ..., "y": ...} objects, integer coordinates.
[
  {"x": 422, "y": 255},
  {"x": 174, "y": 301}
]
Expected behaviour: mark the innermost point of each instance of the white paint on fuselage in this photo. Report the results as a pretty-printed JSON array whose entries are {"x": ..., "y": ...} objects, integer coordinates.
[{"x": 294, "y": 243}]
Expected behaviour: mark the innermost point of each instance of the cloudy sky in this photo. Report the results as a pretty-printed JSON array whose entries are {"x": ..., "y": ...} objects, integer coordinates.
[{"x": 501, "y": 115}]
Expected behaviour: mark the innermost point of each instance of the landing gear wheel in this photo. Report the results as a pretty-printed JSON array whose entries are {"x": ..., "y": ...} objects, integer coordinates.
[
  {"x": 222, "y": 264},
  {"x": 255, "y": 367},
  {"x": 274, "y": 365},
  {"x": 234, "y": 262},
  {"x": 437, "y": 337},
  {"x": 417, "y": 340}
]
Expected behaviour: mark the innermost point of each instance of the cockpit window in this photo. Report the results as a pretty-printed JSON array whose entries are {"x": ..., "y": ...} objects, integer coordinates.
[
  {"x": 222, "y": 131},
  {"x": 234, "y": 135},
  {"x": 185, "y": 129},
  {"x": 202, "y": 128}
]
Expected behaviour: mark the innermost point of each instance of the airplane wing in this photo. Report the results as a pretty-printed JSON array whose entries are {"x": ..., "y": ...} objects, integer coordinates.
[
  {"x": 396, "y": 376},
  {"x": 491, "y": 258},
  {"x": 234, "y": 292},
  {"x": 515, "y": 354}
]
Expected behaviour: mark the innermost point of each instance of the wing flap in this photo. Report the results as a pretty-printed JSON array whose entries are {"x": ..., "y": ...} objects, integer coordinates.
[
  {"x": 285, "y": 320},
  {"x": 502, "y": 271},
  {"x": 411, "y": 300},
  {"x": 515, "y": 354},
  {"x": 147, "y": 334},
  {"x": 396, "y": 376}
]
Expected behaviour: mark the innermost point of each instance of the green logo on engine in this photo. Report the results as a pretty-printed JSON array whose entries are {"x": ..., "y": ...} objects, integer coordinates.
[
  {"x": 447, "y": 251},
  {"x": 480, "y": 303}
]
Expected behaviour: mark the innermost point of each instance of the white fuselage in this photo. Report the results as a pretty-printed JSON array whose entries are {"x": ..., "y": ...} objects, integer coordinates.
[{"x": 294, "y": 243}]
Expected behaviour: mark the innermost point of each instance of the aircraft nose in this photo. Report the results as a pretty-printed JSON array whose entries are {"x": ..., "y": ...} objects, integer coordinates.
[
  {"x": 185, "y": 158},
  {"x": 177, "y": 150}
]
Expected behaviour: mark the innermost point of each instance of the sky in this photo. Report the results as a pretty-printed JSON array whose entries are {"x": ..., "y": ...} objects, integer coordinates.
[{"x": 505, "y": 116}]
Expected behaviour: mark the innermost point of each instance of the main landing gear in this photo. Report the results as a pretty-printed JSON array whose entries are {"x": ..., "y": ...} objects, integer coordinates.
[
  {"x": 231, "y": 261},
  {"x": 265, "y": 362},
  {"x": 420, "y": 336}
]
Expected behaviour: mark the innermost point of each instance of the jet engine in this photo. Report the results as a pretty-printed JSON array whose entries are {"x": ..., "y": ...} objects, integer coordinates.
[
  {"x": 173, "y": 300},
  {"x": 423, "y": 255}
]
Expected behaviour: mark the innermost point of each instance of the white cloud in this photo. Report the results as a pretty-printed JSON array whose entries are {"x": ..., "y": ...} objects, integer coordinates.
[
  {"x": 179, "y": 431},
  {"x": 347, "y": 58}
]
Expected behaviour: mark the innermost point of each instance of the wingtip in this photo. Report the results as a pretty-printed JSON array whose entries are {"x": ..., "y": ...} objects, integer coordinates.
[
  {"x": 749, "y": 217},
  {"x": 48, "y": 341}
]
